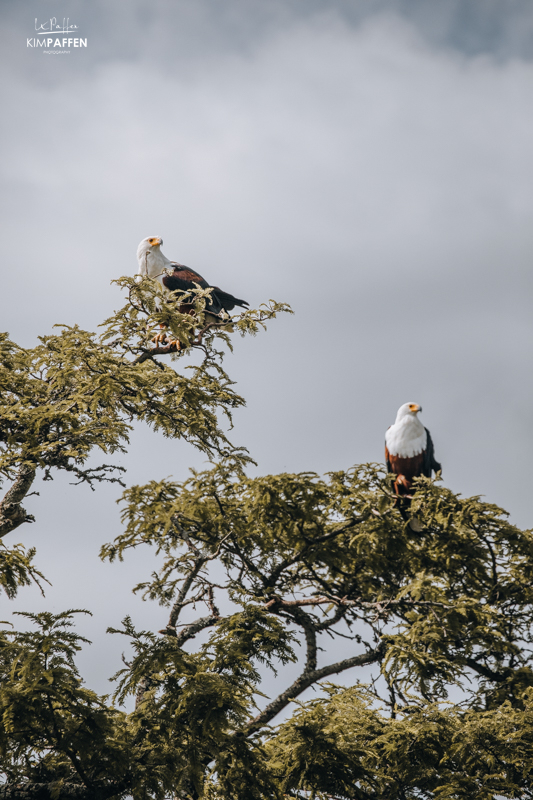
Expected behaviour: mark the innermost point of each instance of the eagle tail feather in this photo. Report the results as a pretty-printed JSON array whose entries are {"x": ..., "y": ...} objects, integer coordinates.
[{"x": 228, "y": 301}]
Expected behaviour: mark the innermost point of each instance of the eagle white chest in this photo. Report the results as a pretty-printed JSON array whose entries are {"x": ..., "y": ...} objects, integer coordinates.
[
  {"x": 406, "y": 438},
  {"x": 152, "y": 263}
]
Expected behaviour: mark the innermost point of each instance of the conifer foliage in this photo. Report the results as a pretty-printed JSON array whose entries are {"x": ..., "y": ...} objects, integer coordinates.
[{"x": 314, "y": 577}]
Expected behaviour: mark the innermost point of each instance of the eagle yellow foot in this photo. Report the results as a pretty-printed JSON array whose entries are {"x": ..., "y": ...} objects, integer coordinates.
[{"x": 160, "y": 339}]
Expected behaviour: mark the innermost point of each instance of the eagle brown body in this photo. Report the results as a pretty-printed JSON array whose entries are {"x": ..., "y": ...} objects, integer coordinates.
[{"x": 406, "y": 469}]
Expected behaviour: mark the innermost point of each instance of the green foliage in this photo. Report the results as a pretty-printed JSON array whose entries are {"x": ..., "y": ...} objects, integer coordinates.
[
  {"x": 442, "y": 599},
  {"x": 293, "y": 559},
  {"x": 344, "y": 747},
  {"x": 255, "y": 573},
  {"x": 447, "y": 606},
  {"x": 76, "y": 392},
  {"x": 251, "y": 636},
  {"x": 52, "y": 727},
  {"x": 330, "y": 746},
  {"x": 17, "y": 569}
]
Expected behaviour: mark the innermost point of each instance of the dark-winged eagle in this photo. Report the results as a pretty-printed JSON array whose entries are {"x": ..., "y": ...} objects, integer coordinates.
[
  {"x": 154, "y": 264},
  {"x": 409, "y": 450}
]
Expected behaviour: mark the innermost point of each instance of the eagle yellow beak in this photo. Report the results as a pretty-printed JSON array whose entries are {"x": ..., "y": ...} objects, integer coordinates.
[
  {"x": 155, "y": 240},
  {"x": 415, "y": 408}
]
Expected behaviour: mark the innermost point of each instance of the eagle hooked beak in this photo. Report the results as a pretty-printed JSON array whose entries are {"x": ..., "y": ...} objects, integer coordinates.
[
  {"x": 415, "y": 408},
  {"x": 155, "y": 241}
]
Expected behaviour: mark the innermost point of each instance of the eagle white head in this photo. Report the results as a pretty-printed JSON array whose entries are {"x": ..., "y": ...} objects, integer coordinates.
[
  {"x": 152, "y": 262},
  {"x": 407, "y": 437},
  {"x": 408, "y": 409}
]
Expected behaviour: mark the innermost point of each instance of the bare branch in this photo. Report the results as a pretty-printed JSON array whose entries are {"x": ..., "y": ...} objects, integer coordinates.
[
  {"x": 487, "y": 672},
  {"x": 11, "y": 512},
  {"x": 156, "y": 351},
  {"x": 380, "y": 605},
  {"x": 180, "y": 601},
  {"x": 288, "y": 562},
  {"x": 306, "y": 679},
  {"x": 305, "y": 622},
  {"x": 198, "y": 564},
  {"x": 190, "y": 630}
]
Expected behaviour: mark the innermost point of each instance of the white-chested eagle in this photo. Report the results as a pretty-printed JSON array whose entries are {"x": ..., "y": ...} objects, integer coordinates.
[
  {"x": 174, "y": 276},
  {"x": 409, "y": 449}
]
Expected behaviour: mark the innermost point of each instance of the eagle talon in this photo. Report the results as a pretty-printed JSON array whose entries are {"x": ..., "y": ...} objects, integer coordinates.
[{"x": 159, "y": 339}]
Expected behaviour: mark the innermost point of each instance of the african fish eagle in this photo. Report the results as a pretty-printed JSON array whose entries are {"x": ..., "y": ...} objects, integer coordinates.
[
  {"x": 173, "y": 276},
  {"x": 409, "y": 449}
]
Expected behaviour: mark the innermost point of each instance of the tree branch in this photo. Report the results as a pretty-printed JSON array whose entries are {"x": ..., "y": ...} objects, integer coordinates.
[
  {"x": 191, "y": 630},
  {"x": 11, "y": 512},
  {"x": 199, "y": 563},
  {"x": 155, "y": 351},
  {"x": 180, "y": 602},
  {"x": 305, "y": 622},
  {"x": 59, "y": 791},
  {"x": 487, "y": 672},
  {"x": 308, "y": 678},
  {"x": 288, "y": 562},
  {"x": 380, "y": 605}
]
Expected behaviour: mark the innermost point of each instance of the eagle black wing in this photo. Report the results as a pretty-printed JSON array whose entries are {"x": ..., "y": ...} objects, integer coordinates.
[
  {"x": 430, "y": 462},
  {"x": 184, "y": 279},
  {"x": 387, "y": 456}
]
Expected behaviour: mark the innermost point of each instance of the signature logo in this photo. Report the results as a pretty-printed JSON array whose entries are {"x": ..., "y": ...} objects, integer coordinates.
[
  {"x": 51, "y": 30},
  {"x": 51, "y": 26}
]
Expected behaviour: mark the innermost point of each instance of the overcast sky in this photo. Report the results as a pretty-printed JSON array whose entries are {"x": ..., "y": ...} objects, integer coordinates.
[{"x": 369, "y": 161}]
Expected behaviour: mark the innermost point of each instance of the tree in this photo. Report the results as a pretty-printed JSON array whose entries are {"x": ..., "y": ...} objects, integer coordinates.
[{"x": 281, "y": 565}]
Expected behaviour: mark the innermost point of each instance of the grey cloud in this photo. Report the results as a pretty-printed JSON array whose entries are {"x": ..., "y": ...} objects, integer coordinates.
[{"x": 192, "y": 33}]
